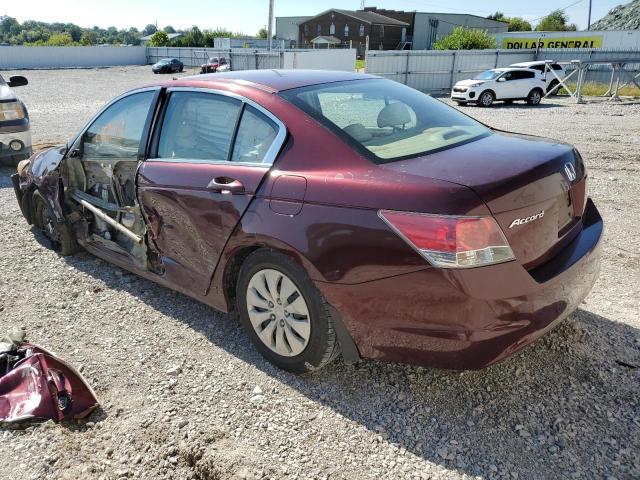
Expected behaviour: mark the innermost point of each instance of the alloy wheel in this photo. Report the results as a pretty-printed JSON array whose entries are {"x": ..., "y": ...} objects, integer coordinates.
[
  {"x": 487, "y": 99},
  {"x": 535, "y": 98},
  {"x": 278, "y": 312}
]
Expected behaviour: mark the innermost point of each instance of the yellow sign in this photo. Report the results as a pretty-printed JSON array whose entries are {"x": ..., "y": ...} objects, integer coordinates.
[{"x": 552, "y": 42}]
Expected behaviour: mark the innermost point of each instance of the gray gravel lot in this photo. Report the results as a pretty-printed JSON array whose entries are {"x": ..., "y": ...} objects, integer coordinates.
[{"x": 184, "y": 394}]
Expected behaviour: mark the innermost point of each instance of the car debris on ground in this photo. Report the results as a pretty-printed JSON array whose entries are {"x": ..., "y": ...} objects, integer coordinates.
[{"x": 35, "y": 384}]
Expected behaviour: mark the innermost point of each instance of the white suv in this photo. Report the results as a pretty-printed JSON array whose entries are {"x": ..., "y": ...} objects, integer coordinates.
[
  {"x": 507, "y": 84},
  {"x": 551, "y": 79}
]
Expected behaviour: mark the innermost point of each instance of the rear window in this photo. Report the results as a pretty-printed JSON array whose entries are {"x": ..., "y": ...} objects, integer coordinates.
[{"x": 385, "y": 120}]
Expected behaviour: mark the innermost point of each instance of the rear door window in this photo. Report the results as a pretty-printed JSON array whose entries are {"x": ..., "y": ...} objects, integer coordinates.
[
  {"x": 198, "y": 126},
  {"x": 254, "y": 138}
]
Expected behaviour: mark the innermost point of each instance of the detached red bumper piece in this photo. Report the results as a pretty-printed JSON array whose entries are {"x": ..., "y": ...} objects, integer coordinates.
[{"x": 35, "y": 384}]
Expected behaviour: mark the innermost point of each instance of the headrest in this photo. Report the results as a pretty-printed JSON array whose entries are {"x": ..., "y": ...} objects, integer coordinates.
[
  {"x": 394, "y": 115},
  {"x": 358, "y": 132}
]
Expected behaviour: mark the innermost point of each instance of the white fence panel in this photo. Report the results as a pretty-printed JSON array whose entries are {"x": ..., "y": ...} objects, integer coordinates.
[
  {"x": 19, "y": 57},
  {"x": 249, "y": 59},
  {"x": 438, "y": 71},
  {"x": 330, "y": 59}
]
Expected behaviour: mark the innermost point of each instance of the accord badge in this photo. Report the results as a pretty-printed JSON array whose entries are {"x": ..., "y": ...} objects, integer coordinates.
[{"x": 522, "y": 221}]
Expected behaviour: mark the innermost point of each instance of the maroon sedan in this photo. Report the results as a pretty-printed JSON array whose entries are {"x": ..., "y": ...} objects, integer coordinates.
[{"x": 334, "y": 212}]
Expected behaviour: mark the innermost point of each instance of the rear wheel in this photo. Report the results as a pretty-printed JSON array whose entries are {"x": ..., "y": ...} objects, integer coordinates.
[
  {"x": 284, "y": 314},
  {"x": 181, "y": 68},
  {"x": 552, "y": 86},
  {"x": 60, "y": 235},
  {"x": 486, "y": 99},
  {"x": 534, "y": 97}
]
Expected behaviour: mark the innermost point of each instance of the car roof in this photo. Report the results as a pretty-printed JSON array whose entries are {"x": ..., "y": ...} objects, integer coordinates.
[
  {"x": 279, "y": 80},
  {"x": 525, "y": 64},
  {"x": 507, "y": 69}
]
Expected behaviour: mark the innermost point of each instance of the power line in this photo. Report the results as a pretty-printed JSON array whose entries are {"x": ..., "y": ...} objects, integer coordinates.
[{"x": 561, "y": 9}]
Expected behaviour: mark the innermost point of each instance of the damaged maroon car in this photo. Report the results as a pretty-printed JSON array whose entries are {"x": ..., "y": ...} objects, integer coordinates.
[{"x": 334, "y": 212}]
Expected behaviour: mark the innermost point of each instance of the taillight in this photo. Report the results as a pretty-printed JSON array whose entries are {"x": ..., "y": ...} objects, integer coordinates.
[{"x": 451, "y": 242}]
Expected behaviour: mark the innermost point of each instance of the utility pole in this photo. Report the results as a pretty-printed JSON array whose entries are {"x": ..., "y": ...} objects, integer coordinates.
[
  {"x": 270, "y": 25},
  {"x": 589, "y": 19}
]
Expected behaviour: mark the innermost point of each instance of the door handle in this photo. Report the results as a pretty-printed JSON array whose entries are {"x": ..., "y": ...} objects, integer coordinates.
[{"x": 226, "y": 185}]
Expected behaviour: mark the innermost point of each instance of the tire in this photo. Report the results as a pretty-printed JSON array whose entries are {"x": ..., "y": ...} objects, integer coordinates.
[
  {"x": 535, "y": 97},
  {"x": 299, "y": 341},
  {"x": 180, "y": 69},
  {"x": 60, "y": 235},
  {"x": 552, "y": 85},
  {"x": 486, "y": 98}
]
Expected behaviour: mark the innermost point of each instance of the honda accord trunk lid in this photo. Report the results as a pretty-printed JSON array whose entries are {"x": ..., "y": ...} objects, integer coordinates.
[{"x": 534, "y": 187}]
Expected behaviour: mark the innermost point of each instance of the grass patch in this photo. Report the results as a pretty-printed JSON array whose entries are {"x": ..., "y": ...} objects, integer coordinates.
[
  {"x": 591, "y": 89},
  {"x": 359, "y": 64}
]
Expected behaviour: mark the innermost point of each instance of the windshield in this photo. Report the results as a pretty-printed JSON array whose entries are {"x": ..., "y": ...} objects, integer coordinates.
[
  {"x": 165, "y": 60},
  {"x": 2, "y": 82},
  {"x": 488, "y": 75},
  {"x": 386, "y": 120}
]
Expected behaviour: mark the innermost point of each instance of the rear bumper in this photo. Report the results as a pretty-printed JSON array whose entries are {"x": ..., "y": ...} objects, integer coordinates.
[{"x": 468, "y": 319}]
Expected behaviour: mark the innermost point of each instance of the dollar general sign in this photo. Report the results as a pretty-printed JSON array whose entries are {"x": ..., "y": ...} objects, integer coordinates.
[{"x": 552, "y": 42}]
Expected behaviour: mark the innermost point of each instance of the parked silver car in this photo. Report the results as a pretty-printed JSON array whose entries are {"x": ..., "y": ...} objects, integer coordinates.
[{"x": 15, "y": 134}]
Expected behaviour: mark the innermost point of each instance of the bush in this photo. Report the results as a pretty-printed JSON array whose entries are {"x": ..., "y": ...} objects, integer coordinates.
[
  {"x": 159, "y": 39},
  {"x": 463, "y": 38}
]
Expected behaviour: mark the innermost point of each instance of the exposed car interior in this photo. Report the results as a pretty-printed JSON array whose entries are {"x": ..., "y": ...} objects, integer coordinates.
[
  {"x": 388, "y": 124},
  {"x": 101, "y": 166}
]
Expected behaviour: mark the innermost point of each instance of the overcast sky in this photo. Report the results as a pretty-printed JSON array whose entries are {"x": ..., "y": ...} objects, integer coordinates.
[{"x": 248, "y": 16}]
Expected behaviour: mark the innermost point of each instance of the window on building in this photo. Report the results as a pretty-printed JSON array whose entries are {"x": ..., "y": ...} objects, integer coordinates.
[
  {"x": 332, "y": 29},
  {"x": 346, "y": 30},
  {"x": 381, "y": 31},
  {"x": 361, "y": 30},
  {"x": 306, "y": 29},
  {"x": 319, "y": 29}
]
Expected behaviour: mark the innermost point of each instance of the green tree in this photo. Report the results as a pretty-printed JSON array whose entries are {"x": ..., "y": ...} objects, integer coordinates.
[
  {"x": 262, "y": 33},
  {"x": 159, "y": 39},
  {"x": 193, "y": 38},
  {"x": 516, "y": 24},
  {"x": 149, "y": 30},
  {"x": 74, "y": 31},
  {"x": 60, "y": 40},
  {"x": 498, "y": 16},
  {"x": 169, "y": 29},
  {"x": 556, "y": 21},
  {"x": 462, "y": 38},
  {"x": 89, "y": 37}
]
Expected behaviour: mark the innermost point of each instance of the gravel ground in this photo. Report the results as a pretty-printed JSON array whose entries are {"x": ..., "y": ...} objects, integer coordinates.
[{"x": 184, "y": 394}]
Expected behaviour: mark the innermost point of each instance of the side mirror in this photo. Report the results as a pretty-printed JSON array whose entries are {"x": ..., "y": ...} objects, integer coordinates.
[
  {"x": 502, "y": 79},
  {"x": 17, "y": 81}
]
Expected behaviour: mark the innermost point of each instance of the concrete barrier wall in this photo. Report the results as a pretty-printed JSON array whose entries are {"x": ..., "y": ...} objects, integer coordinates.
[{"x": 70, "y": 57}]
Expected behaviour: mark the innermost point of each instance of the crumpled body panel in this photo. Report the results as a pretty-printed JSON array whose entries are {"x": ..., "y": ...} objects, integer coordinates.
[{"x": 40, "y": 385}]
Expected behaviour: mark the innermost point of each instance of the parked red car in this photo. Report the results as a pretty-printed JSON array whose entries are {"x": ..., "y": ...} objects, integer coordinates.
[
  {"x": 214, "y": 64},
  {"x": 332, "y": 211}
]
